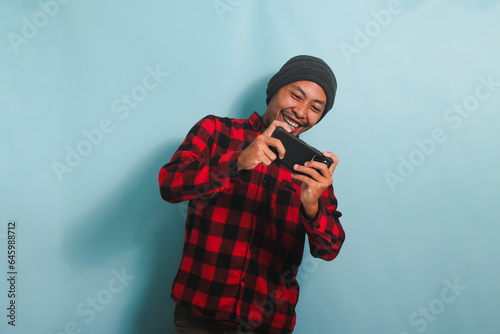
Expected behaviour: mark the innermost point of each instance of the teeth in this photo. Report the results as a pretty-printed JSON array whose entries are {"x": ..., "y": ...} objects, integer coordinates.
[{"x": 289, "y": 122}]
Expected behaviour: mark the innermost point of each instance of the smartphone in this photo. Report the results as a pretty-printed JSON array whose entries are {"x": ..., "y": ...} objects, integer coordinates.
[{"x": 297, "y": 151}]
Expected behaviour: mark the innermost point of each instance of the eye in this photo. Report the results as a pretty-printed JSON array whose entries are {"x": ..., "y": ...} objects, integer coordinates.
[
  {"x": 315, "y": 109},
  {"x": 295, "y": 96}
]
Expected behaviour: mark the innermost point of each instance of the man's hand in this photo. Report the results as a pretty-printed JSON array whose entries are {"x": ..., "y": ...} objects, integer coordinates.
[
  {"x": 314, "y": 186},
  {"x": 258, "y": 152}
]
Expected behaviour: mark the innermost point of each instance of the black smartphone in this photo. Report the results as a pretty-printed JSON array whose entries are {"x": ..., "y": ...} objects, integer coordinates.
[{"x": 297, "y": 151}]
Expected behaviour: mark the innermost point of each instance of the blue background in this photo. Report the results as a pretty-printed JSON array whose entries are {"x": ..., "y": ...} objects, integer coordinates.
[{"x": 418, "y": 180}]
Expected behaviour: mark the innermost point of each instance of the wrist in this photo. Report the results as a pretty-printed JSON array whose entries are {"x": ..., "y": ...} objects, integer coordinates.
[
  {"x": 311, "y": 210},
  {"x": 238, "y": 163}
]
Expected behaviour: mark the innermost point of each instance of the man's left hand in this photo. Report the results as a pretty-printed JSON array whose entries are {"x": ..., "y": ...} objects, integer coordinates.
[{"x": 315, "y": 185}]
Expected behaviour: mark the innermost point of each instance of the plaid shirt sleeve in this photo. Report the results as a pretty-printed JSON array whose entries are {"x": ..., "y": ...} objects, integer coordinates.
[
  {"x": 193, "y": 171},
  {"x": 325, "y": 233}
]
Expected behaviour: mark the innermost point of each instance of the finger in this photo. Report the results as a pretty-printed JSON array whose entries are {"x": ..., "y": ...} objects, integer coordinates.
[
  {"x": 268, "y": 155},
  {"x": 334, "y": 158},
  {"x": 312, "y": 173},
  {"x": 321, "y": 167},
  {"x": 269, "y": 131},
  {"x": 303, "y": 178},
  {"x": 278, "y": 145},
  {"x": 307, "y": 179},
  {"x": 266, "y": 159}
]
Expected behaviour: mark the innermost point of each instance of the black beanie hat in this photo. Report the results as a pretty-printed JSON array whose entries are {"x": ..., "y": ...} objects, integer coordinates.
[{"x": 305, "y": 68}]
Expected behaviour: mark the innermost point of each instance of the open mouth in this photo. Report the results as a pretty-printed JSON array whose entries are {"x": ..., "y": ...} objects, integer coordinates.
[{"x": 293, "y": 124}]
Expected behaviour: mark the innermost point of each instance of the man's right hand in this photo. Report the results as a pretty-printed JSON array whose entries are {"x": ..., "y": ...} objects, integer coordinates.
[{"x": 258, "y": 152}]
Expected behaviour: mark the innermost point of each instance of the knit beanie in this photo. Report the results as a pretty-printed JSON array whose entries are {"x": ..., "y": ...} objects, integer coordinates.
[{"x": 305, "y": 68}]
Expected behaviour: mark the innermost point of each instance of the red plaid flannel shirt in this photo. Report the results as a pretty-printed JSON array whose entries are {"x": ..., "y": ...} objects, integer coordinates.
[{"x": 245, "y": 231}]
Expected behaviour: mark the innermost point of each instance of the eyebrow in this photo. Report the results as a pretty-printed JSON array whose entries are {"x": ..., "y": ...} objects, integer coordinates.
[{"x": 305, "y": 95}]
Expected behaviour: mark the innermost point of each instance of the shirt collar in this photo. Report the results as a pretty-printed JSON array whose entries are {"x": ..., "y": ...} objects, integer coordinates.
[{"x": 257, "y": 122}]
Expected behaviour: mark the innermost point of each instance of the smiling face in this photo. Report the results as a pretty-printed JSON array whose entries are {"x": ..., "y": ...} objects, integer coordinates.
[{"x": 299, "y": 104}]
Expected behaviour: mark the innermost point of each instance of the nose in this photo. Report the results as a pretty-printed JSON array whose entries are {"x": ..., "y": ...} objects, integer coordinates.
[{"x": 300, "y": 111}]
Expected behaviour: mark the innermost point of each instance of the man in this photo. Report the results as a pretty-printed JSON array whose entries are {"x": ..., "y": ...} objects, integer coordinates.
[{"x": 248, "y": 215}]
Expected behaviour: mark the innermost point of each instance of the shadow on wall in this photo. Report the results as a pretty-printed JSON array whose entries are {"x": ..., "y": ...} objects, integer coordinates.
[
  {"x": 136, "y": 217},
  {"x": 252, "y": 99}
]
